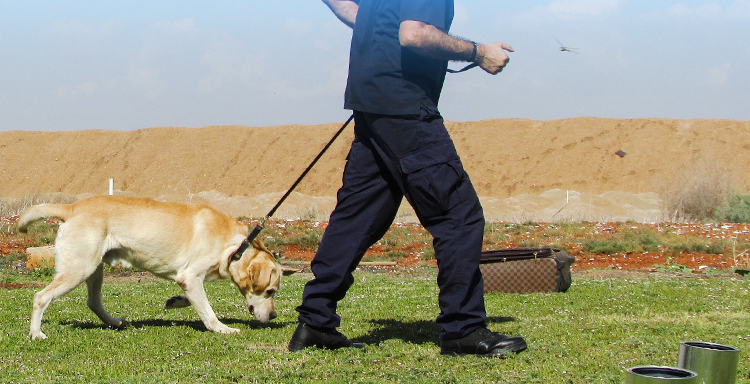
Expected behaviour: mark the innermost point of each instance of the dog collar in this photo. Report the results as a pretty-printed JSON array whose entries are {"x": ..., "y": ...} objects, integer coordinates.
[{"x": 246, "y": 243}]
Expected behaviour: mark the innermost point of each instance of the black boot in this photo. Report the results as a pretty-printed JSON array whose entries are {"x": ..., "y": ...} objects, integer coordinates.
[
  {"x": 306, "y": 336},
  {"x": 483, "y": 342}
]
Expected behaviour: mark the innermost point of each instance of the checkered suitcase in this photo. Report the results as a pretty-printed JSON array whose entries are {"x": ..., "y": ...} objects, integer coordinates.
[{"x": 525, "y": 270}]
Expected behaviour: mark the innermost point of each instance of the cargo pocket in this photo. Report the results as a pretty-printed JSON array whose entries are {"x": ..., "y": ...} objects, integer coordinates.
[{"x": 434, "y": 178}]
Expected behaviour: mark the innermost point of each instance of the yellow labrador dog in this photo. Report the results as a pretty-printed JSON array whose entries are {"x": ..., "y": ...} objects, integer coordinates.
[{"x": 182, "y": 242}]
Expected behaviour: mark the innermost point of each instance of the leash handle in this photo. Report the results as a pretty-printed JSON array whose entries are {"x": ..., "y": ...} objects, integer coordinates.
[{"x": 464, "y": 69}]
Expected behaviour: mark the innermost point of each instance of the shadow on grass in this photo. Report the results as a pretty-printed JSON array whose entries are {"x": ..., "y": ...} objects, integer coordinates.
[
  {"x": 194, "y": 324},
  {"x": 414, "y": 332}
]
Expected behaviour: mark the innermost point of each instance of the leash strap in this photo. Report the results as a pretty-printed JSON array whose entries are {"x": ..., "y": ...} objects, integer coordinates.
[
  {"x": 464, "y": 69},
  {"x": 254, "y": 233},
  {"x": 309, "y": 167}
]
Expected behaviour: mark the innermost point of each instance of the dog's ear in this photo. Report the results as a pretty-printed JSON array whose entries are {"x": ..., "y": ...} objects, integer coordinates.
[
  {"x": 257, "y": 244},
  {"x": 289, "y": 270}
]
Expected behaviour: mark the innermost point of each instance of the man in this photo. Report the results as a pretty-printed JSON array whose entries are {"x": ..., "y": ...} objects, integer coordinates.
[{"x": 399, "y": 55}]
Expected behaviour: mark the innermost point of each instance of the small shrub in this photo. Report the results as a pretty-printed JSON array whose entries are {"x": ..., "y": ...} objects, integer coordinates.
[
  {"x": 672, "y": 266},
  {"x": 532, "y": 244},
  {"x": 696, "y": 193},
  {"x": 304, "y": 236},
  {"x": 736, "y": 210},
  {"x": 40, "y": 234},
  {"x": 309, "y": 239},
  {"x": 389, "y": 256},
  {"x": 568, "y": 229},
  {"x": 43, "y": 273},
  {"x": 396, "y": 236},
  {"x": 642, "y": 239},
  {"x": 428, "y": 254},
  {"x": 608, "y": 247},
  {"x": 695, "y": 246},
  {"x": 11, "y": 263}
]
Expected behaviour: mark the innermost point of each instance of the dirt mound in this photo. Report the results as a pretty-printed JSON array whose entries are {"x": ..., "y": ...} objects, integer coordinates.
[{"x": 522, "y": 169}]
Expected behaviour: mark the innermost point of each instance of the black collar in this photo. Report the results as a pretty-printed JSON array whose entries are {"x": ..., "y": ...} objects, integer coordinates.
[{"x": 246, "y": 243}]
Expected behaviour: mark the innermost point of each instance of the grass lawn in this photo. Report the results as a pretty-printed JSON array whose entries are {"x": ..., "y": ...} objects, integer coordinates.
[{"x": 588, "y": 335}]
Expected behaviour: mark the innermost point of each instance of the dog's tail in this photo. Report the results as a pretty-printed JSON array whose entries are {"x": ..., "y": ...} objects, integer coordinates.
[{"x": 42, "y": 211}]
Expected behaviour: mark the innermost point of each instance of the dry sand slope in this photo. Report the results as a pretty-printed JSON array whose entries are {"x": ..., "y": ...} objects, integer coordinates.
[{"x": 522, "y": 169}]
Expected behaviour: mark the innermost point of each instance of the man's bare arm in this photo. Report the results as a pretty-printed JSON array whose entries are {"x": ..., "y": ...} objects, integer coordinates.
[
  {"x": 429, "y": 41},
  {"x": 345, "y": 10}
]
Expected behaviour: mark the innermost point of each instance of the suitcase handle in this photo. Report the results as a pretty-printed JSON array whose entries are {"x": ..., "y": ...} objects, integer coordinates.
[{"x": 510, "y": 254}]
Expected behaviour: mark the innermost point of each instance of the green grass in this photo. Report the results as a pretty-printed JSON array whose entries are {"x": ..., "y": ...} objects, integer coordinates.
[{"x": 588, "y": 335}]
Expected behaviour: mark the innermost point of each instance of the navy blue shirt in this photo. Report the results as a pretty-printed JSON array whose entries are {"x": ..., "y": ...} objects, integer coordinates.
[{"x": 385, "y": 78}]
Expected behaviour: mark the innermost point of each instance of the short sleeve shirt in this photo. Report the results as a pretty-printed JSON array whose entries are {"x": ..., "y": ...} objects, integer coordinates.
[{"x": 385, "y": 78}]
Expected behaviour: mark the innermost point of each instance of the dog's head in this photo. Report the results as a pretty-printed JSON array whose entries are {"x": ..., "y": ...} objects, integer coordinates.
[{"x": 258, "y": 276}]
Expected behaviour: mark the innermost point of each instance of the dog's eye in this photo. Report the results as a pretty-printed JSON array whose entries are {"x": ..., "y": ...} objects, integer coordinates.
[{"x": 270, "y": 292}]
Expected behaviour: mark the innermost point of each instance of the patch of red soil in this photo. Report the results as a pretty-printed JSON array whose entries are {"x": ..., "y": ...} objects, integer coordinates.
[{"x": 652, "y": 261}]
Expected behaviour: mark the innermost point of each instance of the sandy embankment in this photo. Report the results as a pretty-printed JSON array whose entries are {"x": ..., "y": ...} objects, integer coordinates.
[{"x": 522, "y": 169}]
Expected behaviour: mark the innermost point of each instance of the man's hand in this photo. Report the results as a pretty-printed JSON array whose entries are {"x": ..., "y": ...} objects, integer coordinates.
[{"x": 492, "y": 57}]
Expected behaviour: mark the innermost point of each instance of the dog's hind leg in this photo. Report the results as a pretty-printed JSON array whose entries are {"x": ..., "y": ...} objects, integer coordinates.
[
  {"x": 60, "y": 285},
  {"x": 76, "y": 255},
  {"x": 94, "y": 302}
]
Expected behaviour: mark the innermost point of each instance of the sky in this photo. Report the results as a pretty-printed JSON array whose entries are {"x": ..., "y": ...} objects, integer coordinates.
[{"x": 124, "y": 65}]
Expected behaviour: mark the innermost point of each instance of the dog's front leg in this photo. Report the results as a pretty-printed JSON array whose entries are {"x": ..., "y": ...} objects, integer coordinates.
[{"x": 194, "y": 291}]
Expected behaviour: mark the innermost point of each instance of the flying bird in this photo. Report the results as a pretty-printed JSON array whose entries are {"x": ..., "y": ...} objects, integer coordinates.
[{"x": 563, "y": 48}]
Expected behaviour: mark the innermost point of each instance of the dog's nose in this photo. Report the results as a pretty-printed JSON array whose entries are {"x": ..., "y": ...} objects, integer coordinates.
[
  {"x": 251, "y": 309},
  {"x": 272, "y": 315}
]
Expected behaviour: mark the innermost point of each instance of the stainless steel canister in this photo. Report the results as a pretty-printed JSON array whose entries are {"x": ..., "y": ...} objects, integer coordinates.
[{"x": 714, "y": 363}]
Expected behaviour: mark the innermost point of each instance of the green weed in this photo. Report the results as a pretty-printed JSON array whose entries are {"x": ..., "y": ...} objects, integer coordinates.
[{"x": 672, "y": 266}]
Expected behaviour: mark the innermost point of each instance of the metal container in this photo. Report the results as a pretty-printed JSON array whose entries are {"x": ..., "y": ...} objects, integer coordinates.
[
  {"x": 714, "y": 363},
  {"x": 659, "y": 375}
]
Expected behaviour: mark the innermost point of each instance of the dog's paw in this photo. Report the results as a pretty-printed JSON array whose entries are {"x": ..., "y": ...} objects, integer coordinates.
[
  {"x": 119, "y": 324},
  {"x": 37, "y": 336},
  {"x": 226, "y": 330},
  {"x": 177, "y": 302}
]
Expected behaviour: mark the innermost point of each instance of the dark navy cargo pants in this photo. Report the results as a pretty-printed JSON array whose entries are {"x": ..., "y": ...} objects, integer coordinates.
[{"x": 391, "y": 158}]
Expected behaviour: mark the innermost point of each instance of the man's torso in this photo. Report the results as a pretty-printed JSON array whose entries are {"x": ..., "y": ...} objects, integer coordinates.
[{"x": 385, "y": 78}]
